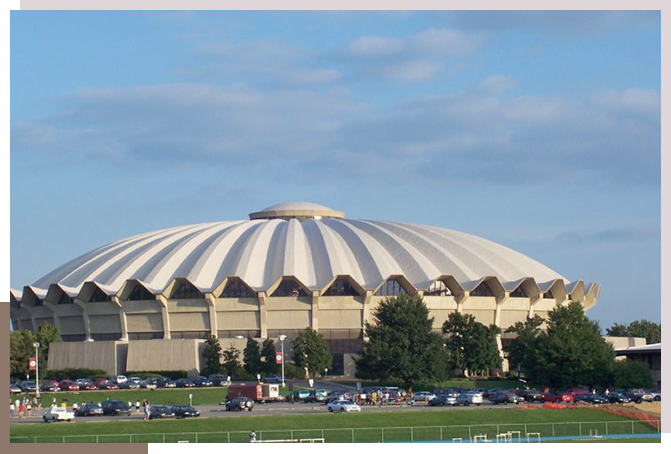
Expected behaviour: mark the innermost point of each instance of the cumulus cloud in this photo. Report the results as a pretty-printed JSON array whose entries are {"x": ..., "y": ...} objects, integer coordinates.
[
  {"x": 478, "y": 135},
  {"x": 408, "y": 59}
]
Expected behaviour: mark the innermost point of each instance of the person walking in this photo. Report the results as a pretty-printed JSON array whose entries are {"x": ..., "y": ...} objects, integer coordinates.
[
  {"x": 137, "y": 406},
  {"x": 252, "y": 436},
  {"x": 21, "y": 409},
  {"x": 11, "y": 408},
  {"x": 29, "y": 407},
  {"x": 147, "y": 411},
  {"x": 75, "y": 407}
]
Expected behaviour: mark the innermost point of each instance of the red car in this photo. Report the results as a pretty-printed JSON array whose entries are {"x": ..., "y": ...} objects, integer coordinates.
[
  {"x": 557, "y": 397},
  {"x": 104, "y": 384},
  {"x": 69, "y": 385}
]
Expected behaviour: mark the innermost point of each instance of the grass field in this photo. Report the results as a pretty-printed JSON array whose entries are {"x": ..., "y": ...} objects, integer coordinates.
[
  {"x": 614, "y": 440},
  {"x": 359, "y": 427},
  {"x": 455, "y": 383}
]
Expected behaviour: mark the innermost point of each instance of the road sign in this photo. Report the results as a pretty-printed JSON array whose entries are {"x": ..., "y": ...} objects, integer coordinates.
[
  {"x": 32, "y": 363},
  {"x": 278, "y": 358}
]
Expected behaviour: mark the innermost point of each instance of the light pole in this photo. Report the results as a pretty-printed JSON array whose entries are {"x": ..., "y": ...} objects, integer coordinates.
[
  {"x": 37, "y": 370},
  {"x": 282, "y": 337}
]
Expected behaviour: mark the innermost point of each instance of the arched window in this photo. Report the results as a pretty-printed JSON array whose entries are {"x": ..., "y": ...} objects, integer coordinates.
[
  {"x": 482, "y": 290},
  {"x": 519, "y": 293},
  {"x": 236, "y": 289},
  {"x": 391, "y": 287},
  {"x": 289, "y": 287},
  {"x": 140, "y": 293},
  {"x": 548, "y": 295},
  {"x": 186, "y": 291},
  {"x": 99, "y": 297},
  {"x": 438, "y": 288},
  {"x": 341, "y": 287}
]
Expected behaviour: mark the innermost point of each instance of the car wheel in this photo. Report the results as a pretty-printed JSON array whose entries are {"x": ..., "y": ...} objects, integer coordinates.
[
  {"x": 330, "y": 410},
  {"x": 342, "y": 410},
  {"x": 466, "y": 404}
]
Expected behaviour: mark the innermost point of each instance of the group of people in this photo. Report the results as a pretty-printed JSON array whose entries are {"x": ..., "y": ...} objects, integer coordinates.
[
  {"x": 374, "y": 398},
  {"x": 23, "y": 407}
]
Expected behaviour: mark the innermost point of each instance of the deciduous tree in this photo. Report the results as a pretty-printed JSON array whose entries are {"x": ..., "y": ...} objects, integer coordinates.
[
  {"x": 471, "y": 346},
  {"x": 212, "y": 356},
  {"x": 252, "y": 357},
  {"x": 311, "y": 352}
]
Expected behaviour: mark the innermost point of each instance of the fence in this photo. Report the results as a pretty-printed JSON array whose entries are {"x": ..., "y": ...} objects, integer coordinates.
[{"x": 373, "y": 434}]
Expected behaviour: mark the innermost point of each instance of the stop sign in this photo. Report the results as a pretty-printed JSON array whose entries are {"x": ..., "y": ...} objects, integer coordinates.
[{"x": 278, "y": 358}]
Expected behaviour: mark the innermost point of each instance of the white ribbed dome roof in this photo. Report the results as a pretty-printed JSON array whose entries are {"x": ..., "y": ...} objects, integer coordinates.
[{"x": 313, "y": 249}]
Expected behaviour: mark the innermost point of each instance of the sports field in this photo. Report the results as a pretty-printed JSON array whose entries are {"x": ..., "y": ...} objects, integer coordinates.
[{"x": 360, "y": 427}]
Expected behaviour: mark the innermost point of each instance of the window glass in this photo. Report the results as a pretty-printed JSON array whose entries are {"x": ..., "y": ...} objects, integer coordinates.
[
  {"x": 482, "y": 290},
  {"x": 65, "y": 299},
  {"x": 289, "y": 287},
  {"x": 519, "y": 293},
  {"x": 341, "y": 287},
  {"x": 99, "y": 296},
  {"x": 237, "y": 289},
  {"x": 140, "y": 293},
  {"x": 548, "y": 295},
  {"x": 391, "y": 287},
  {"x": 438, "y": 288},
  {"x": 186, "y": 291}
]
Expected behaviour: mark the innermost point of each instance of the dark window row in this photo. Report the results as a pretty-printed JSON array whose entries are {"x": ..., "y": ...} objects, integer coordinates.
[
  {"x": 237, "y": 289},
  {"x": 289, "y": 287},
  {"x": 146, "y": 336},
  {"x": 99, "y": 297},
  {"x": 482, "y": 290},
  {"x": 519, "y": 293},
  {"x": 232, "y": 334},
  {"x": 391, "y": 287},
  {"x": 186, "y": 291},
  {"x": 189, "y": 334}
]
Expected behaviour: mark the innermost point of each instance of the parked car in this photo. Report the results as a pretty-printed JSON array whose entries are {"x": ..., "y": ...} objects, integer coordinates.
[
  {"x": 28, "y": 386},
  {"x": 165, "y": 383},
  {"x": 89, "y": 409},
  {"x": 423, "y": 396},
  {"x": 504, "y": 398},
  {"x": 272, "y": 379},
  {"x": 104, "y": 384},
  {"x": 239, "y": 404},
  {"x": 557, "y": 397},
  {"x": 317, "y": 395},
  {"x": 468, "y": 398},
  {"x": 119, "y": 379},
  {"x": 149, "y": 383},
  {"x": 184, "y": 383},
  {"x": 69, "y": 385},
  {"x": 342, "y": 406},
  {"x": 298, "y": 396},
  {"x": 639, "y": 395},
  {"x": 86, "y": 384},
  {"x": 218, "y": 380},
  {"x": 618, "y": 398},
  {"x": 50, "y": 386},
  {"x": 656, "y": 395},
  {"x": 58, "y": 414},
  {"x": 128, "y": 384},
  {"x": 202, "y": 382},
  {"x": 590, "y": 398},
  {"x": 184, "y": 411},
  {"x": 530, "y": 395},
  {"x": 115, "y": 408},
  {"x": 160, "y": 412},
  {"x": 442, "y": 400},
  {"x": 14, "y": 389}
]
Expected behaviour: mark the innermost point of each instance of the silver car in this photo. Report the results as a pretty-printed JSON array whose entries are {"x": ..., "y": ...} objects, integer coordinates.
[
  {"x": 467, "y": 399},
  {"x": 342, "y": 406}
]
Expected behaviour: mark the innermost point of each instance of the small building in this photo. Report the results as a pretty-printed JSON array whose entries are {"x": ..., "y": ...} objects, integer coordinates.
[{"x": 650, "y": 354}]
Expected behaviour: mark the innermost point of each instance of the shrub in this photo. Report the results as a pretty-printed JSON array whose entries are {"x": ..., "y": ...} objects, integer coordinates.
[
  {"x": 632, "y": 374},
  {"x": 73, "y": 374},
  {"x": 293, "y": 372},
  {"x": 171, "y": 374}
]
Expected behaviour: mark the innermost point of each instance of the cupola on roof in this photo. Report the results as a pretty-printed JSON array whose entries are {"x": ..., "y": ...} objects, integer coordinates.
[{"x": 297, "y": 210}]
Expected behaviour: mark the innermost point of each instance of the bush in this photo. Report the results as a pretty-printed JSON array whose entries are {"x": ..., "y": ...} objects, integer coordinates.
[
  {"x": 171, "y": 374},
  {"x": 293, "y": 372},
  {"x": 632, "y": 374},
  {"x": 73, "y": 374}
]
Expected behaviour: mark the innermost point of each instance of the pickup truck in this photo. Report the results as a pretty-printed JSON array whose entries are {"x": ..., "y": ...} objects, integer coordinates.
[{"x": 58, "y": 414}]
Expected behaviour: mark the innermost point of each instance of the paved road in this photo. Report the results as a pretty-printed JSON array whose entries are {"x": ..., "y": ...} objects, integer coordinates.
[{"x": 217, "y": 411}]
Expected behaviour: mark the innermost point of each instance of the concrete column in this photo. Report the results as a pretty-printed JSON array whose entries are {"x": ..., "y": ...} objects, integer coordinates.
[
  {"x": 54, "y": 312},
  {"x": 461, "y": 299},
  {"x": 123, "y": 321},
  {"x": 85, "y": 316},
  {"x": 32, "y": 315},
  {"x": 210, "y": 298},
  {"x": 499, "y": 302},
  {"x": 365, "y": 313},
  {"x": 262, "y": 315},
  {"x": 314, "y": 322},
  {"x": 165, "y": 315},
  {"x": 532, "y": 302}
]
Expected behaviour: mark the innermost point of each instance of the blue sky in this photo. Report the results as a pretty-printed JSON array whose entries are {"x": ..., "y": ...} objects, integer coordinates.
[{"x": 538, "y": 130}]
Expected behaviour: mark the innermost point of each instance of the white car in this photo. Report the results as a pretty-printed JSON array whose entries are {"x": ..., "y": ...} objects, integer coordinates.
[
  {"x": 120, "y": 379},
  {"x": 342, "y": 405},
  {"x": 58, "y": 414},
  {"x": 423, "y": 396}
]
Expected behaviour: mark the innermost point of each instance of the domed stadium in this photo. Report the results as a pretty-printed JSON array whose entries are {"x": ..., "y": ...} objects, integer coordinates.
[{"x": 146, "y": 302}]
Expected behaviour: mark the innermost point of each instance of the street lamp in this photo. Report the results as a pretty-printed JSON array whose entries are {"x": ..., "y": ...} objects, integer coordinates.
[
  {"x": 37, "y": 370},
  {"x": 282, "y": 337}
]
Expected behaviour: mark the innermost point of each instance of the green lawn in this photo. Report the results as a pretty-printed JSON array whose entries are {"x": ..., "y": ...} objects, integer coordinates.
[
  {"x": 454, "y": 383},
  {"x": 362, "y": 427},
  {"x": 613, "y": 440}
]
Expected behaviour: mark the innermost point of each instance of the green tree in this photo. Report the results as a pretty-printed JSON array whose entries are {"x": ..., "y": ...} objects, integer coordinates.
[
  {"x": 632, "y": 374},
  {"x": 45, "y": 335},
  {"x": 471, "y": 346},
  {"x": 401, "y": 343},
  {"x": 268, "y": 364},
  {"x": 212, "y": 355},
  {"x": 252, "y": 357},
  {"x": 231, "y": 362},
  {"x": 519, "y": 352},
  {"x": 639, "y": 328},
  {"x": 311, "y": 352},
  {"x": 20, "y": 349},
  {"x": 571, "y": 351}
]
